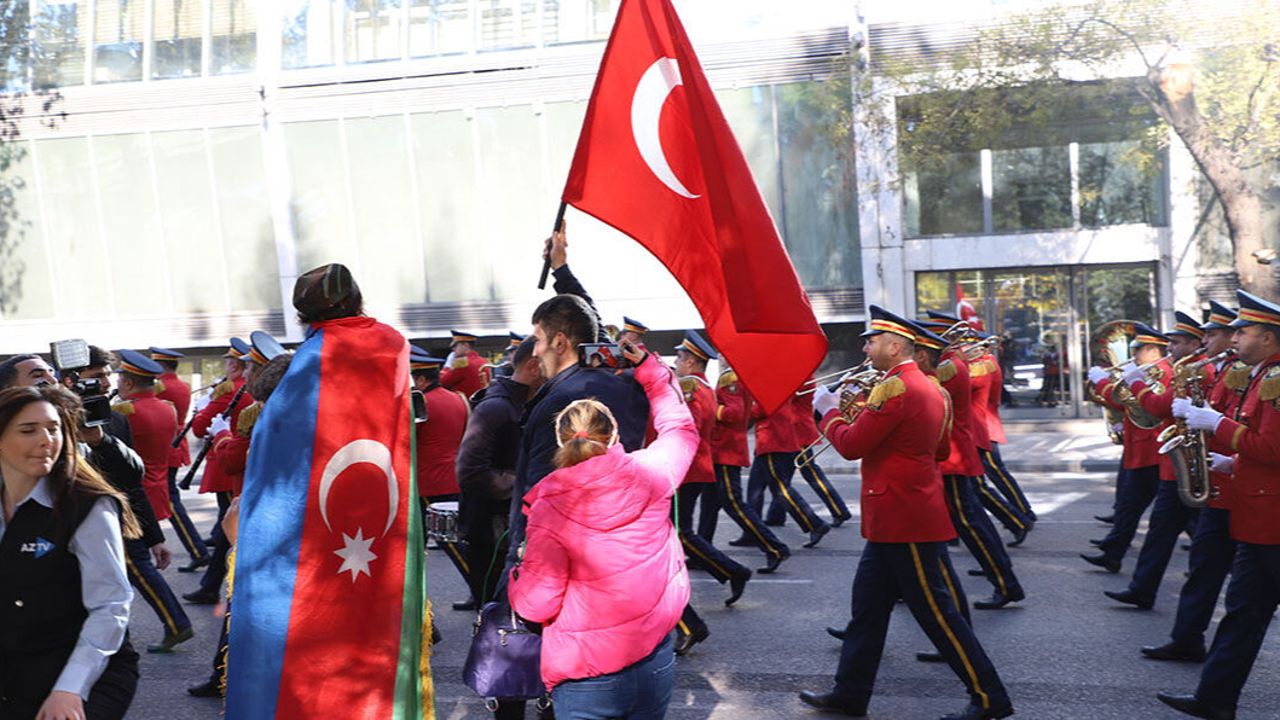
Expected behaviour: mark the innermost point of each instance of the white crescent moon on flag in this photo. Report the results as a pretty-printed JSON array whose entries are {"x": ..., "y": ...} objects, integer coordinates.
[
  {"x": 354, "y": 453},
  {"x": 655, "y": 85}
]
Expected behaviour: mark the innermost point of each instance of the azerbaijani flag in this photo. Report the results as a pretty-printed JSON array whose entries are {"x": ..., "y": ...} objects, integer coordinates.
[{"x": 329, "y": 594}]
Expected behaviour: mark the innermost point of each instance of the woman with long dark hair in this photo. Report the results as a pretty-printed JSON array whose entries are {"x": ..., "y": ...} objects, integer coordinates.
[{"x": 64, "y": 592}]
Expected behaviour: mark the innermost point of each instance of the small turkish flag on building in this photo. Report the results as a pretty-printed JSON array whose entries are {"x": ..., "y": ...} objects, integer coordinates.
[{"x": 657, "y": 160}]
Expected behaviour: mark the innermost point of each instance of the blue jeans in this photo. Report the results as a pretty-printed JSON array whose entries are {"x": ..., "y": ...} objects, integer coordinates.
[{"x": 640, "y": 691}]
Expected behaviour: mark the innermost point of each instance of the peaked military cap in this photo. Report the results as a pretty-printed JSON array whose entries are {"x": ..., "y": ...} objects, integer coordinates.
[
  {"x": 263, "y": 348},
  {"x": 165, "y": 354},
  {"x": 514, "y": 340},
  {"x": 461, "y": 336},
  {"x": 1255, "y": 311},
  {"x": 883, "y": 321},
  {"x": 635, "y": 326},
  {"x": 239, "y": 348},
  {"x": 1147, "y": 335},
  {"x": 135, "y": 363},
  {"x": 1186, "y": 325},
  {"x": 420, "y": 359},
  {"x": 1220, "y": 317},
  {"x": 693, "y": 343},
  {"x": 926, "y": 337},
  {"x": 942, "y": 316}
]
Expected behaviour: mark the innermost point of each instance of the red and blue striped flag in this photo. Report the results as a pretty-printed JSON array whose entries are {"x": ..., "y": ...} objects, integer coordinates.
[{"x": 327, "y": 615}]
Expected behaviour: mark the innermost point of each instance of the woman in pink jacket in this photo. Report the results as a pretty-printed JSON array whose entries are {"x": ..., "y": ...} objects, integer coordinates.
[{"x": 602, "y": 567}]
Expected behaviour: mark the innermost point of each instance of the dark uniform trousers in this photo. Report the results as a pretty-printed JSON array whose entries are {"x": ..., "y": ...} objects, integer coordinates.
[
  {"x": 705, "y": 555},
  {"x": 729, "y": 483},
  {"x": 1252, "y": 598},
  {"x": 150, "y": 584},
  {"x": 774, "y": 470},
  {"x": 451, "y": 549},
  {"x": 1137, "y": 490},
  {"x": 817, "y": 479},
  {"x": 1000, "y": 509},
  {"x": 216, "y": 572},
  {"x": 978, "y": 534},
  {"x": 1212, "y": 551},
  {"x": 1004, "y": 481},
  {"x": 482, "y": 524},
  {"x": 921, "y": 575},
  {"x": 1169, "y": 518},
  {"x": 182, "y": 525}
]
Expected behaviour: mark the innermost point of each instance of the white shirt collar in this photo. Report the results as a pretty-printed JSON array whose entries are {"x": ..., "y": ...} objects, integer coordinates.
[{"x": 40, "y": 493}]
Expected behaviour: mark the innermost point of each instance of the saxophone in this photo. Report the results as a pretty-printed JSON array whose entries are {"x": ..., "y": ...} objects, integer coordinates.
[{"x": 1187, "y": 450}]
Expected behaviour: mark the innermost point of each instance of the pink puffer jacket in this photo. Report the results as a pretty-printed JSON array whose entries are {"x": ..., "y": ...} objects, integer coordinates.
[{"x": 603, "y": 569}]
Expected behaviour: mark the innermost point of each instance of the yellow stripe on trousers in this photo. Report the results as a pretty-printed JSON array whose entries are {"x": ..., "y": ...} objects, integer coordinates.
[
  {"x": 741, "y": 516},
  {"x": 1008, "y": 482},
  {"x": 982, "y": 488},
  {"x": 715, "y": 567},
  {"x": 187, "y": 541},
  {"x": 684, "y": 629},
  {"x": 786, "y": 495},
  {"x": 453, "y": 552},
  {"x": 991, "y": 563},
  {"x": 819, "y": 481},
  {"x": 140, "y": 581},
  {"x": 951, "y": 585},
  {"x": 946, "y": 629}
]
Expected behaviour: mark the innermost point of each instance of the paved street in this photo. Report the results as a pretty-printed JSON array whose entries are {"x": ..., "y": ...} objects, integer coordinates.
[{"x": 1065, "y": 653}]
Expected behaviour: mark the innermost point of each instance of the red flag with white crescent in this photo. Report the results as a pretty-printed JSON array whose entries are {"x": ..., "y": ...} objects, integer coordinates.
[{"x": 657, "y": 160}]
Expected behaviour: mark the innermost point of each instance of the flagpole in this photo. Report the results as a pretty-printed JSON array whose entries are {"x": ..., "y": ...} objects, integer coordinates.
[{"x": 546, "y": 263}]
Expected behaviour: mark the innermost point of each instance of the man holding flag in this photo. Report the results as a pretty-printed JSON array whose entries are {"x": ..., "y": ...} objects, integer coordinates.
[{"x": 329, "y": 528}]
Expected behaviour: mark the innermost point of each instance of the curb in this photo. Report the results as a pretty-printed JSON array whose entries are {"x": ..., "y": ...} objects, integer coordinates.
[{"x": 1068, "y": 466}]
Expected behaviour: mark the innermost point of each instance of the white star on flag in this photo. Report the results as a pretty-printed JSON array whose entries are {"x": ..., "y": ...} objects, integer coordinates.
[{"x": 355, "y": 554}]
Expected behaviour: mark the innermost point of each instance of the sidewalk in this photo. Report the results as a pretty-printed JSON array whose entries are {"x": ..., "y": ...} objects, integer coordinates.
[{"x": 1038, "y": 446}]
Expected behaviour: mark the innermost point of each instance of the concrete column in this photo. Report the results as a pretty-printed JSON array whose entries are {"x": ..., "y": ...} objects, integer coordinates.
[
  {"x": 880, "y": 217},
  {"x": 1184, "y": 211}
]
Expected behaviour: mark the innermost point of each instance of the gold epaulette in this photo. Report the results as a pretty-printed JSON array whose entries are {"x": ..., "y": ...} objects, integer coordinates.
[
  {"x": 1236, "y": 377},
  {"x": 159, "y": 386},
  {"x": 947, "y": 371},
  {"x": 225, "y": 387},
  {"x": 727, "y": 378},
  {"x": 1156, "y": 373},
  {"x": 886, "y": 391},
  {"x": 248, "y": 416},
  {"x": 1269, "y": 386},
  {"x": 124, "y": 408},
  {"x": 688, "y": 385},
  {"x": 459, "y": 363},
  {"x": 979, "y": 368}
]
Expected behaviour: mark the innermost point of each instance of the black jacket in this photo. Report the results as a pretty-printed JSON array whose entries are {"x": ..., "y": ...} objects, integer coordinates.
[
  {"x": 491, "y": 444},
  {"x": 123, "y": 468}
]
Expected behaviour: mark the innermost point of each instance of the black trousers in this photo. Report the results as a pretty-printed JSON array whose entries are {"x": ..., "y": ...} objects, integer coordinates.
[
  {"x": 978, "y": 534},
  {"x": 1212, "y": 551},
  {"x": 774, "y": 471},
  {"x": 704, "y": 555},
  {"x": 1169, "y": 518},
  {"x": 482, "y": 521},
  {"x": 27, "y": 679},
  {"x": 182, "y": 525},
  {"x": 921, "y": 575},
  {"x": 151, "y": 585},
  {"x": 1252, "y": 598},
  {"x": 818, "y": 481},
  {"x": 729, "y": 483},
  {"x": 1137, "y": 490},
  {"x": 1005, "y": 482}
]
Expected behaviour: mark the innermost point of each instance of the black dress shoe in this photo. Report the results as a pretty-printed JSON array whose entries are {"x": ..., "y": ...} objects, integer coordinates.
[
  {"x": 1175, "y": 651},
  {"x": 195, "y": 565},
  {"x": 1190, "y": 705},
  {"x": 685, "y": 643},
  {"x": 1129, "y": 597},
  {"x": 468, "y": 604},
  {"x": 1019, "y": 536},
  {"x": 209, "y": 689},
  {"x": 737, "y": 584},
  {"x": 1102, "y": 561},
  {"x": 201, "y": 597},
  {"x": 771, "y": 566},
  {"x": 973, "y": 712},
  {"x": 166, "y": 645},
  {"x": 977, "y": 572},
  {"x": 832, "y": 703},
  {"x": 743, "y": 541},
  {"x": 999, "y": 599},
  {"x": 930, "y": 657},
  {"x": 816, "y": 536},
  {"x": 837, "y": 634},
  {"x": 1108, "y": 519},
  {"x": 1096, "y": 542}
]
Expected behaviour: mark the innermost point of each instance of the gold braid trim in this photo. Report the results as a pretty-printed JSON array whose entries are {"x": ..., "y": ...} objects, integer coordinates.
[
  {"x": 947, "y": 371},
  {"x": 886, "y": 391},
  {"x": 124, "y": 408},
  {"x": 1269, "y": 386},
  {"x": 248, "y": 416},
  {"x": 727, "y": 377},
  {"x": 223, "y": 389},
  {"x": 1237, "y": 376}
]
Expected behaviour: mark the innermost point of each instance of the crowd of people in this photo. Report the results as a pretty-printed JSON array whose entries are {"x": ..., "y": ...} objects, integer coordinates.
[{"x": 582, "y": 494}]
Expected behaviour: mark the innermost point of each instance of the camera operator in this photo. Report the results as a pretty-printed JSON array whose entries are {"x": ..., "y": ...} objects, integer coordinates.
[{"x": 112, "y": 454}]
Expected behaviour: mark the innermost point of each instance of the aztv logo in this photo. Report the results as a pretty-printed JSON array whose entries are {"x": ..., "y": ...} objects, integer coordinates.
[{"x": 40, "y": 547}]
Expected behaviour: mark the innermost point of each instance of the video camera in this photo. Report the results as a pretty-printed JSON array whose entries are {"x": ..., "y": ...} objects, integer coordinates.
[{"x": 69, "y": 357}]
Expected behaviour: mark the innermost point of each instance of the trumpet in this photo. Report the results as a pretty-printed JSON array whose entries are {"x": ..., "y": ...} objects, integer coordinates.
[
  {"x": 811, "y": 385},
  {"x": 853, "y": 398},
  {"x": 1143, "y": 367}
]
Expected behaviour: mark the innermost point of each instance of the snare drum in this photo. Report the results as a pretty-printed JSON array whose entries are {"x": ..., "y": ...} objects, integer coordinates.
[{"x": 442, "y": 521}]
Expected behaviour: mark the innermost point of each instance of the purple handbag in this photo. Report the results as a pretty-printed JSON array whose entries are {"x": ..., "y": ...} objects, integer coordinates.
[{"x": 505, "y": 659}]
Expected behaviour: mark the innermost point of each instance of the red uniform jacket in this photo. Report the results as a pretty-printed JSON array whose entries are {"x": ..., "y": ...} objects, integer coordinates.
[
  {"x": 1253, "y": 433},
  {"x": 1141, "y": 448},
  {"x": 983, "y": 374},
  {"x": 153, "y": 423},
  {"x": 221, "y": 400},
  {"x": 995, "y": 428},
  {"x": 802, "y": 414},
  {"x": 1157, "y": 399},
  {"x": 963, "y": 459},
  {"x": 702, "y": 405},
  {"x": 438, "y": 441},
  {"x": 178, "y": 392},
  {"x": 775, "y": 433},
  {"x": 901, "y": 436},
  {"x": 729, "y": 437},
  {"x": 1229, "y": 387},
  {"x": 466, "y": 375},
  {"x": 231, "y": 449}
]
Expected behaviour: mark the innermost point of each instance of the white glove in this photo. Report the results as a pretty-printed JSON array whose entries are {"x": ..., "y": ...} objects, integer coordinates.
[
  {"x": 1097, "y": 375},
  {"x": 1181, "y": 407},
  {"x": 1118, "y": 428},
  {"x": 1220, "y": 463},
  {"x": 218, "y": 425},
  {"x": 1131, "y": 374},
  {"x": 1202, "y": 418},
  {"x": 824, "y": 400}
]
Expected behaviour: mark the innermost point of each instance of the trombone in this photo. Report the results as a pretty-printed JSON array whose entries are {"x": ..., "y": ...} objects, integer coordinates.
[{"x": 811, "y": 385}]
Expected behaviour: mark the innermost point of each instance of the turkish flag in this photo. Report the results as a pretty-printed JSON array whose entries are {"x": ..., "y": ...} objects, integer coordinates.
[{"x": 657, "y": 160}]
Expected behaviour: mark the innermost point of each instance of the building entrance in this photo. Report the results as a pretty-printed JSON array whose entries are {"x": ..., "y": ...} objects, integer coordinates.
[{"x": 1045, "y": 317}]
